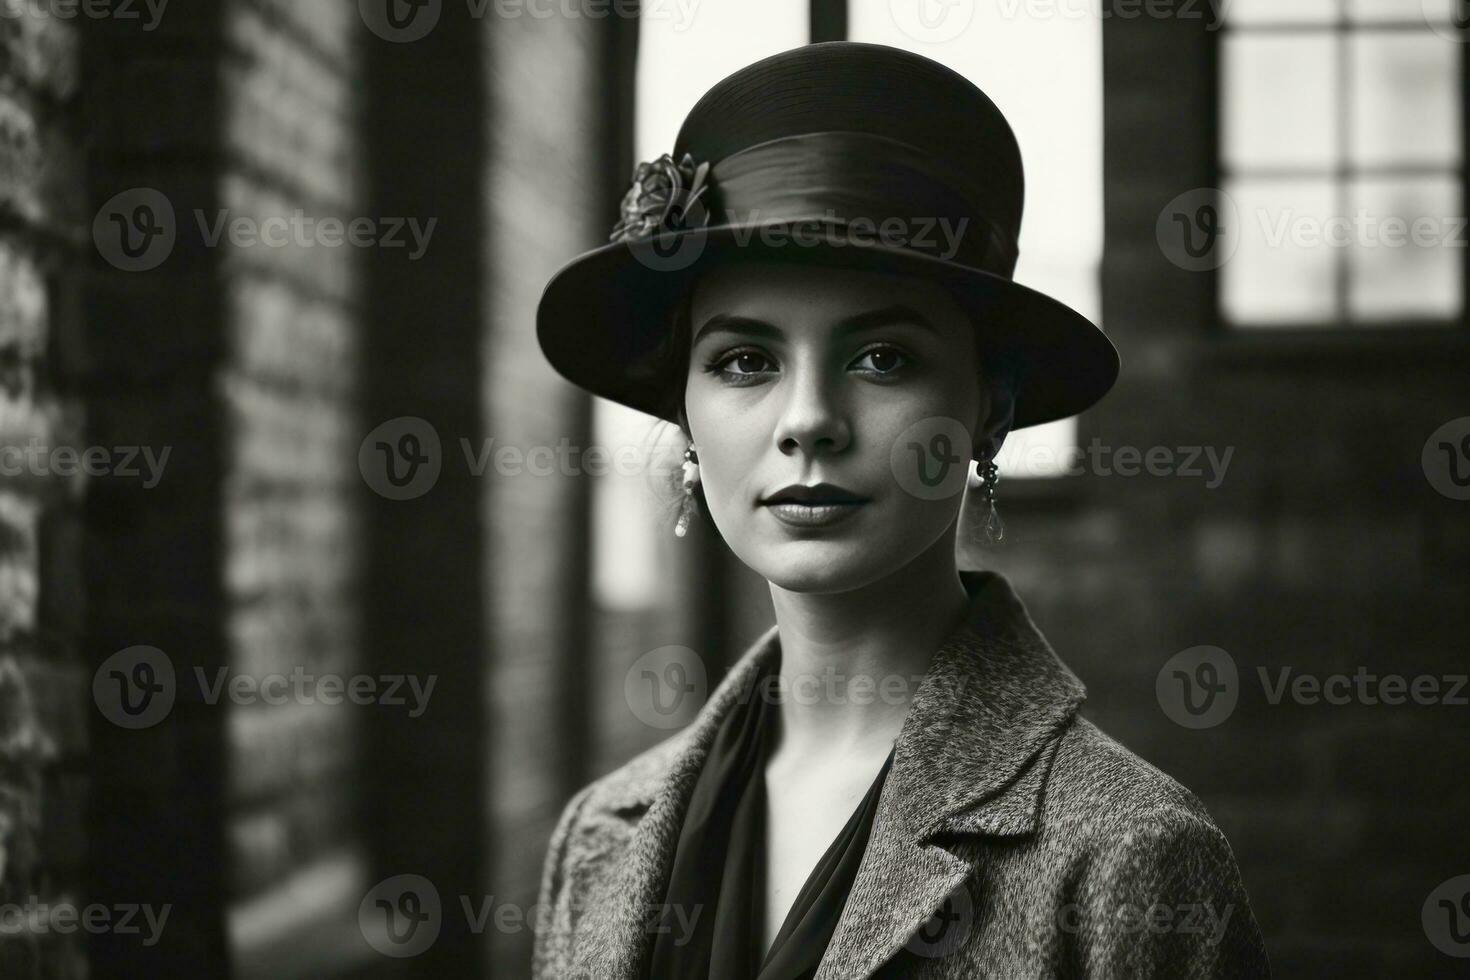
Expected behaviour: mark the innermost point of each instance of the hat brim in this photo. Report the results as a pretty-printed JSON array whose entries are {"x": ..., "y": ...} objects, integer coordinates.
[{"x": 605, "y": 313}]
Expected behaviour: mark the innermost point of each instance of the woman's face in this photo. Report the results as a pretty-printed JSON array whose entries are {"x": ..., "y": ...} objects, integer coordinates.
[{"x": 804, "y": 375}]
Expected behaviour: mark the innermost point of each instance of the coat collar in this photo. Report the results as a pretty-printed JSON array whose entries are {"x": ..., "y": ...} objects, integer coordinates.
[{"x": 968, "y": 760}]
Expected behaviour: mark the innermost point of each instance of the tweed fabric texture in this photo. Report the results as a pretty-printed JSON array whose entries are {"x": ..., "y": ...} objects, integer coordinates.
[{"x": 1012, "y": 837}]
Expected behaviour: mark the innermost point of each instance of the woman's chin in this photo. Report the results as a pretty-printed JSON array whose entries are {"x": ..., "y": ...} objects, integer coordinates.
[{"x": 819, "y": 565}]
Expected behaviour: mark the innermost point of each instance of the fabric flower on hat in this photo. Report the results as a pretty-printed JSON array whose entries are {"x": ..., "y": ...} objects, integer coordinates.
[{"x": 664, "y": 197}]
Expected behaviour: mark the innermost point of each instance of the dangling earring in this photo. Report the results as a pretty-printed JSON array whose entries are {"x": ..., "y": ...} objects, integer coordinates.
[
  {"x": 986, "y": 477},
  {"x": 691, "y": 479}
]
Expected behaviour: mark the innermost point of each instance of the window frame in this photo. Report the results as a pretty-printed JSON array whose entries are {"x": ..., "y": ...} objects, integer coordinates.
[{"x": 1402, "y": 335}]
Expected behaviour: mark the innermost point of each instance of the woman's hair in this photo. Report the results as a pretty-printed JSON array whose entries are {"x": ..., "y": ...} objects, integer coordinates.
[{"x": 673, "y": 363}]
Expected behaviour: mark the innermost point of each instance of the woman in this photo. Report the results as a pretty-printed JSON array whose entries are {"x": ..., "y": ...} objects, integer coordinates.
[{"x": 894, "y": 781}]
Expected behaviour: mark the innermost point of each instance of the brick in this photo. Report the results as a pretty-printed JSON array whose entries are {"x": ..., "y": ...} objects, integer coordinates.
[{"x": 18, "y": 560}]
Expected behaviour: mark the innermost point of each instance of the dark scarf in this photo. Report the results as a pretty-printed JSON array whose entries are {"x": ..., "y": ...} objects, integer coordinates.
[{"x": 719, "y": 866}]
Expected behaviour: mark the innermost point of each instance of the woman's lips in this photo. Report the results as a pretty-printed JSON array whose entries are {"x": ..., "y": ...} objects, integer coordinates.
[{"x": 804, "y": 515}]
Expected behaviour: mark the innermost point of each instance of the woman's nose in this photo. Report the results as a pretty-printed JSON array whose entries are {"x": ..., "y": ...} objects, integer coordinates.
[{"x": 813, "y": 419}]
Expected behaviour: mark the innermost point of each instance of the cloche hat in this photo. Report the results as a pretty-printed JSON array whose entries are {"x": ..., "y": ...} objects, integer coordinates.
[{"x": 859, "y": 155}]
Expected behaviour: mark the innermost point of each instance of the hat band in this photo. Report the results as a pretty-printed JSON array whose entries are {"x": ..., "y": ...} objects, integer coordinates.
[{"x": 878, "y": 191}]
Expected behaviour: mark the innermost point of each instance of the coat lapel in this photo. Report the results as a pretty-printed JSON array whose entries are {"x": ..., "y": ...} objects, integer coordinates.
[
  {"x": 617, "y": 943},
  {"x": 968, "y": 760}
]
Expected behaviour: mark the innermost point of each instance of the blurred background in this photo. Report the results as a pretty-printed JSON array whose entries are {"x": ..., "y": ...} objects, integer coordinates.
[{"x": 251, "y": 249}]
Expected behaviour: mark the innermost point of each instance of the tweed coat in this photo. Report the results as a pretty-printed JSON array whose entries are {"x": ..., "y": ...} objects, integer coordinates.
[{"x": 1012, "y": 837}]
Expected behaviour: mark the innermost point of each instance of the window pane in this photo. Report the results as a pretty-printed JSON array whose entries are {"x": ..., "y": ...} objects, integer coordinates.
[
  {"x": 1280, "y": 100},
  {"x": 680, "y": 55},
  {"x": 1252, "y": 12},
  {"x": 1042, "y": 450},
  {"x": 1281, "y": 272},
  {"x": 1404, "y": 98},
  {"x": 1403, "y": 11},
  {"x": 1407, "y": 259}
]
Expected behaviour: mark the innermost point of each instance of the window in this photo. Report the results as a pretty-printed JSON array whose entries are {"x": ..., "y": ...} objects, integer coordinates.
[{"x": 1342, "y": 159}]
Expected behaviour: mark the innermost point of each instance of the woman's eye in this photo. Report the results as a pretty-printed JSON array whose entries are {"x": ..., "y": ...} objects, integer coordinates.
[
  {"x": 882, "y": 360},
  {"x": 743, "y": 364},
  {"x": 747, "y": 363}
]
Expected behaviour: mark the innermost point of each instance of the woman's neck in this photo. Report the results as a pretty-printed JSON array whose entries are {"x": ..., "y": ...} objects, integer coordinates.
[{"x": 851, "y": 662}]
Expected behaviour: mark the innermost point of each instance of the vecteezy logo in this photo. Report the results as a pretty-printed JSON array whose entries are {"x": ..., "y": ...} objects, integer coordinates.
[
  {"x": 947, "y": 929},
  {"x": 1198, "y": 687},
  {"x": 401, "y": 458},
  {"x": 401, "y": 916},
  {"x": 931, "y": 458},
  {"x": 665, "y": 687},
  {"x": 1446, "y": 917},
  {"x": 1446, "y": 459},
  {"x": 136, "y": 230},
  {"x": 671, "y": 250},
  {"x": 401, "y": 21},
  {"x": 932, "y": 21},
  {"x": 134, "y": 688},
  {"x": 1199, "y": 230}
]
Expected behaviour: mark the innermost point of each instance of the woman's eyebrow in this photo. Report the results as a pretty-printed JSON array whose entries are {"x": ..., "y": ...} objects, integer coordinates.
[
  {"x": 733, "y": 323},
  {"x": 883, "y": 316}
]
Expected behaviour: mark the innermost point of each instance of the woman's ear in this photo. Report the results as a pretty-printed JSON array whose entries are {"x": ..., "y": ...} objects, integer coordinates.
[{"x": 994, "y": 424}]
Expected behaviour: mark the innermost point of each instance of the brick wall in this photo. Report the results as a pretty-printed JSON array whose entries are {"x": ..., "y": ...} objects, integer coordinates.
[
  {"x": 554, "y": 172},
  {"x": 1323, "y": 549},
  {"x": 540, "y": 204},
  {"x": 240, "y": 358},
  {"x": 425, "y": 591},
  {"x": 149, "y": 358},
  {"x": 291, "y": 385},
  {"x": 261, "y": 551},
  {"x": 43, "y": 730}
]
